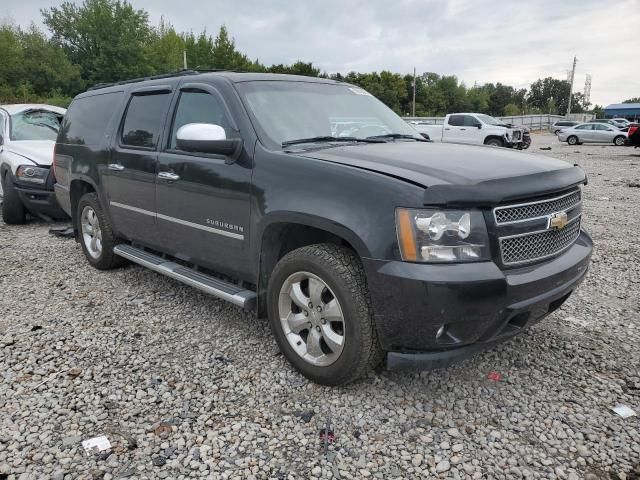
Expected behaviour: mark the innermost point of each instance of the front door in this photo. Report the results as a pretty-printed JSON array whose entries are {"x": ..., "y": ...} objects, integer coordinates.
[
  {"x": 130, "y": 175},
  {"x": 202, "y": 199}
]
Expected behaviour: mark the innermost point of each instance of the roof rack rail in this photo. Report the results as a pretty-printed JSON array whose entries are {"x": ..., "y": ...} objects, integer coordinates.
[{"x": 178, "y": 73}]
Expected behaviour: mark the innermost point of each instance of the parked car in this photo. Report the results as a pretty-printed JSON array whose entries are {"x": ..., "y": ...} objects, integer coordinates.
[
  {"x": 622, "y": 121},
  {"x": 608, "y": 121},
  {"x": 379, "y": 245},
  {"x": 474, "y": 129},
  {"x": 634, "y": 134},
  {"x": 560, "y": 124},
  {"x": 593, "y": 132},
  {"x": 27, "y": 138}
]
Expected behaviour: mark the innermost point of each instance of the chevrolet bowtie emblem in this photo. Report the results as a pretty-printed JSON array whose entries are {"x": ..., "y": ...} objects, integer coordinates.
[{"x": 558, "y": 221}]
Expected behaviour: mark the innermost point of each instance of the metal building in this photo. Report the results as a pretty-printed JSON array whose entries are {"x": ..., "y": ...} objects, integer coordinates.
[{"x": 630, "y": 111}]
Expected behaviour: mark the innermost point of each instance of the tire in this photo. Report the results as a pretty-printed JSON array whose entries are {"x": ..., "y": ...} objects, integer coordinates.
[
  {"x": 556, "y": 132},
  {"x": 334, "y": 273},
  {"x": 93, "y": 224},
  {"x": 13, "y": 210},
  {"x": 572, "y": 140},
  {"x": 494, "y": 142},
  {"x": 619, "y": 141}
]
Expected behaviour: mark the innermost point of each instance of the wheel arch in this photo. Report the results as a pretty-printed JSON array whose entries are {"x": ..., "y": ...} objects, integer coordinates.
[
  {"x": 493, "y": 137},
  {"x": 77, "y": 188},
  {"x": 286, "y": 232}
]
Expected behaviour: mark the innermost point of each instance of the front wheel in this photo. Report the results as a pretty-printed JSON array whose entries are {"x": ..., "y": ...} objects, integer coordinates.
[
  {"x": 494, "y": 142},
  {"x": 572, "y": 140},
  {"x": 96, "y": 235},
  {"x": 13, "y": 211},
  {"x": 320, "y": 314},
  {"x": 619, "y": 141}
]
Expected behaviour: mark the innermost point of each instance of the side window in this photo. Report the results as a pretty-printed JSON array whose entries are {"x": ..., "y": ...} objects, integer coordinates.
[
  {"x": 586, "y": 126},
  {"x": 470, "y": 121},
  {"x": 143, "y": 120},
  {"x": 87, "y": 119},
  {"x": 456, "y": 120},
  {"x": 198, "y": 107}
]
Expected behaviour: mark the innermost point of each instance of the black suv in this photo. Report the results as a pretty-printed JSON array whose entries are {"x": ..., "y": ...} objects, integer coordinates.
[{"x": 311, "y": 203}]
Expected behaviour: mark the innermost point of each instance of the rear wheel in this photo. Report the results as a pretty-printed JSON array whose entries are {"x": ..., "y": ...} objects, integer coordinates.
[
  {"x": 96, "y": 235},
  {"x": 494, "y": 142},
  {"x": 572, "y": 140},
  {"x": 13, "y": 210},
  {"x": 320, "y": 314},
  {"x": 619, "y": 141}
]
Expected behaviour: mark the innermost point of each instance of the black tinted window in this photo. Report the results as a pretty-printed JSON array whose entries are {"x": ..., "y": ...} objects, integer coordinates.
[
  {"x": 87, "y": 119},
  {"x": 456, "y": 120},
  {"x": 470, "y": 121},
  {"x": 198, "y": 107},
  {"x": 143, "y": 120}
]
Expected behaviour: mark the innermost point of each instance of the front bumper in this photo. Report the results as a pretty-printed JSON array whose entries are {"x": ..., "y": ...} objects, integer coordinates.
[
  {"x": 431, "y": 315},
  {"x": 39, "y": 200}
]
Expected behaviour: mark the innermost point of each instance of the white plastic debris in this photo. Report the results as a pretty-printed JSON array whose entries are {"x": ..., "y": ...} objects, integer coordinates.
[
  {"x": 623, "y": 411},
  {"x": 96, "y": 445}
]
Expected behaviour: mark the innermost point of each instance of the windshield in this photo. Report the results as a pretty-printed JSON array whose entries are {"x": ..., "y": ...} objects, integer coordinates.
[
  {"x": 489, "y": 120},
  {"x": 285, "y": 111},
  {"x": 35, "y": 125}
]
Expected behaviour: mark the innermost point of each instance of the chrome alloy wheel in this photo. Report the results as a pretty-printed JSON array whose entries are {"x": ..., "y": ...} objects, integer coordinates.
[
  {"x": 91, "y": 233},
  {"x": 311, "y": 318}
]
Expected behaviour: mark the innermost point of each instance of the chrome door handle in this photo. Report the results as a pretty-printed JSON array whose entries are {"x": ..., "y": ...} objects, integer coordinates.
[
  {"x": 168, "y": 176},
  {"x": 115, "y": 166},
  {"x": 447, "y": 129}
]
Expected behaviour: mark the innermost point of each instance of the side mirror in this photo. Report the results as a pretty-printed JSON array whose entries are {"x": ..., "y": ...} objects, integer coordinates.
[
  {"x": 1, "y": 140},
  {"x": 206, "y": 138},
  {"x": 479, "y": 125}
]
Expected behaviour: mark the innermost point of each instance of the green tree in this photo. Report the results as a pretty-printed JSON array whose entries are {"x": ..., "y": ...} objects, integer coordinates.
[
  {"x": 549, "y": 93},
  {"x": 511, "y": 109},
  {"x": 107, "y": 38},
  {"x": 225, "y": 55},
  {"x": 164, "y": 48},
  {"x": 632, "y": 100}
]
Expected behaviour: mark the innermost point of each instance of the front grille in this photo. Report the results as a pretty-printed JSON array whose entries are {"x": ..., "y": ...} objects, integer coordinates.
[
  {"x": 530, "y": 247},
  {"x": 541, "y": 208},
  {"x": 517, "y": 134}
]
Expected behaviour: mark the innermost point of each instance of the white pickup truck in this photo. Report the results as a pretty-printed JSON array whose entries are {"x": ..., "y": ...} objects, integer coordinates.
[{"x": 472, "y": 128}]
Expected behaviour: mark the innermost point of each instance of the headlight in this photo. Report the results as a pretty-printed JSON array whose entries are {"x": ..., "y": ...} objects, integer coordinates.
[
  {"x": 30, "y": 174},
  {"x": 436, "y": 236}
]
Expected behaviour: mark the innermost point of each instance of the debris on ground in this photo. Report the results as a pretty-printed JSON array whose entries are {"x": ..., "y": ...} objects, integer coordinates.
[
  {"x": 96, "y": 445},
  {"x": 74, "y": 372},
  {"x": 159, "y": 461},
  {"x": 306, "y": 415},
  {"x": 327, "y": 437},
  {"x": 634, "y": 184},
  {"x": 494, "y": 376},
  {"x": 35, "y": 328},
  {"x": 624, "y": 411},
  {"x": 545, "y": 148},
  {"x": 64, "y": 232}
]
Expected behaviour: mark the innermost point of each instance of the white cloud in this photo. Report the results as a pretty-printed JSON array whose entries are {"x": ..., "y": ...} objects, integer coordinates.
[{"x": 514, "y": 43}]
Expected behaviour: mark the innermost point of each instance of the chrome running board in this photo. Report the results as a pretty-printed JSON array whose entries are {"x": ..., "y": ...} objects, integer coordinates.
[{"x": 211, "y": 285}]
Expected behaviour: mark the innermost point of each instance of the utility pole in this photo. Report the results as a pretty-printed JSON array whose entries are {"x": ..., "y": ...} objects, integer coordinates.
[
  {"x": 573, "y": 74},
  {"x": 413, "y": 103},
  {"x": 184, "y": 59}
]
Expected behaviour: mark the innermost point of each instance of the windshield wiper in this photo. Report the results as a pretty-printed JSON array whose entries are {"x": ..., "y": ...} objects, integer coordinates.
[
  {"x": 398, "y": 135},
  {"x": 328, "y": 138}
]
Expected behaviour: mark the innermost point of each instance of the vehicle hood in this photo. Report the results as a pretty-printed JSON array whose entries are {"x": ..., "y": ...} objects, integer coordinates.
[
  {"x": 459, "y": 174},
  {"x": 39, "y": 152}
]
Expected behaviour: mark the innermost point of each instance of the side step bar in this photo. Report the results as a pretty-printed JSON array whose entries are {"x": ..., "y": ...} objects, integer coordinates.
[{"x": 211, "y": 285}]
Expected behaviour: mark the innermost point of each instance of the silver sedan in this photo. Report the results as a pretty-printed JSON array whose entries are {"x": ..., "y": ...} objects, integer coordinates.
[{"x": 592, "y": 133}]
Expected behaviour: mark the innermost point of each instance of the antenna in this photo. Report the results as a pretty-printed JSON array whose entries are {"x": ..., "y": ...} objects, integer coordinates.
[
  {"x": 573, "y": 74},
  {"x": 587, "y": 89}
]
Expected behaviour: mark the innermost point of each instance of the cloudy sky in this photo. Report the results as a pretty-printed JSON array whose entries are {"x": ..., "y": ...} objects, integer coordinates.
[{"x": 480, "y": 41}]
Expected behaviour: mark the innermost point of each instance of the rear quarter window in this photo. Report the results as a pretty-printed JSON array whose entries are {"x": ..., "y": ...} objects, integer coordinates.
[{"x": 88, "y": 118}]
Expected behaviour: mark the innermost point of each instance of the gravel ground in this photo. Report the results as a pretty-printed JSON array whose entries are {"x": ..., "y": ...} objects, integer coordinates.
[{"x": 184, "y": 385}]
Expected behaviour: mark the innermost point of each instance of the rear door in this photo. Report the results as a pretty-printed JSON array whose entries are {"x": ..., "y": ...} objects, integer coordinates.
[
  {"x": 131, "y": 171},
  {"x": 203, "y": 199},
  {"x": 604, "y": 133},
  {"x": 454, "y": 130}
]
